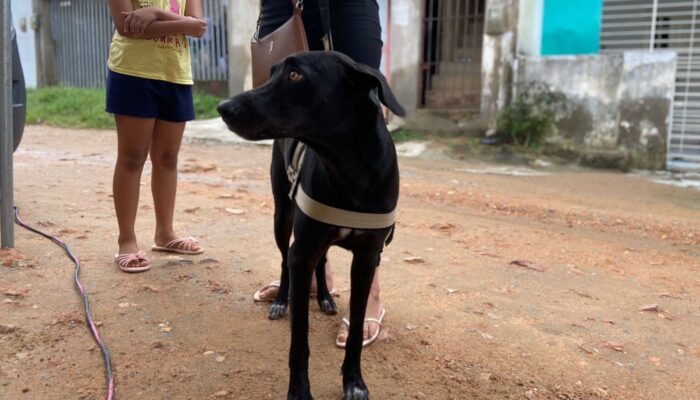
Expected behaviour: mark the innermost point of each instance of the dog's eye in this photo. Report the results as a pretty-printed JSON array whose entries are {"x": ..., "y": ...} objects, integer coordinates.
[{"x": 294, "y": 76}]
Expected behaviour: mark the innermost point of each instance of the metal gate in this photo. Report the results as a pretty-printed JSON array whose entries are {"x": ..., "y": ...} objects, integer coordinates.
[
  {"x": 82, "y": 31},
  {"x": 453, "y": 32},
  {"x": 667, "y": 25}
]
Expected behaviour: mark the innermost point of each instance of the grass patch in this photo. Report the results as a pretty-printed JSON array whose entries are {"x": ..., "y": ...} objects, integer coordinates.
[
  {"x": 405, "y": 135},
  {"x": 205, "y": 105},
  {"x": 68, "y": 107}
]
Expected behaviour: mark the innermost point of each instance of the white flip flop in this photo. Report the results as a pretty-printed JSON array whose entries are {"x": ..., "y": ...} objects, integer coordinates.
[{"x": 369, "y": 340}]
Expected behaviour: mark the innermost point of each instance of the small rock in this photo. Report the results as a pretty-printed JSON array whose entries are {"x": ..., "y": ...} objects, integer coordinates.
[
  {"x": 4, "y": 329},
  {"x": 166, "y": 329},
  {"x": 651, "y": 308},
  {"x": 451, "y": 291},
  {"x": 411, "y": 327},
  {"x": 192, "y": 210},
  {"x": 16, "y": 293},
  {"x": 123, "y": 305},
  {"x": 206, "y": 353},
  {"x": 157, "y": 345},
  {"x": 221, "y": 393},
  {"x": 208, "y": 261},
  {"x": 486, "y": 336},
  {"x": 414, "y": 260},
  {"x": 234, "y": 211},
  {"x": 220, "y": 358},
  {"x": 151, "y": 288},
  {"x": 442, "y": 226}
]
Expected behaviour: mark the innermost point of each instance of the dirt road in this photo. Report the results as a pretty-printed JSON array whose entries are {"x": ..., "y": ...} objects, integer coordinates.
[{"x": 563, "y": 322}]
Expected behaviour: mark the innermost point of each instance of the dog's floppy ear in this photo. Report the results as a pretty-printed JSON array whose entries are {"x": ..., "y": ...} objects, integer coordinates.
[{"x": 374, "y": 79}]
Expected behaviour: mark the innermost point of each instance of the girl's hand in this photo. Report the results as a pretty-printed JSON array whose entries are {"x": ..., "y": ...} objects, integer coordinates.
[
  {"x": 135, "y": 22},
  {"x": 196, "y": 27}
]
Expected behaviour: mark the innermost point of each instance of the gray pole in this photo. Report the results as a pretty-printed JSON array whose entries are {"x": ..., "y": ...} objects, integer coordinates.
[{"x": 7, "y": 232}]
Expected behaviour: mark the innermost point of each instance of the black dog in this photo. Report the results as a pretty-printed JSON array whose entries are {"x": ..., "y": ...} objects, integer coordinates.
[{"x": 328, "y": 102}]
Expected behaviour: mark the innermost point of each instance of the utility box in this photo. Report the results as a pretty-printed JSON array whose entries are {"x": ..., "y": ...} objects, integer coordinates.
[{"x": 496, "y": 18}]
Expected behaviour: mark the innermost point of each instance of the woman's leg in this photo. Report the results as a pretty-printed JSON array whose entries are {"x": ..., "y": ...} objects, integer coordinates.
[
  {"x": 167, "y": 137},
  {"x": 134, "y": 136},
  {"x": 357, "y": 33},
  {"x": 374, "y": 310}
]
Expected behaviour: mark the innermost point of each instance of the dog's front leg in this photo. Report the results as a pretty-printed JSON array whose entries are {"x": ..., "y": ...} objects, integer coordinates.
[
  {"x": 361, "y": 276},
  {"x": 302, "y": 260}
]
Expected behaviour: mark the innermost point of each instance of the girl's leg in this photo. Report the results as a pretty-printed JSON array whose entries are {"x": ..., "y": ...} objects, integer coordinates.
[
  {"x": 134, "y": 139},
  {"x": 167, "y": 137}
]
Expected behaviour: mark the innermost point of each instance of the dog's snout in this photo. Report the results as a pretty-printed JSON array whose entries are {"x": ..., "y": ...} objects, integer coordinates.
[{"x": 222, "y": 108}]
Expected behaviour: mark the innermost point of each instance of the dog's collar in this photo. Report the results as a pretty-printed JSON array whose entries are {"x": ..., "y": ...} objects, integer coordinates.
[{"x": 329, "y": 214}]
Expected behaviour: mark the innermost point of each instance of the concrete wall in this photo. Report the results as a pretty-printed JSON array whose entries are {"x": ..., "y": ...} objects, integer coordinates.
[
  {"x": 406, "y": 41},
  {"x": 617, "y": 107},
  {"x": 405, "y": 48},
  {"x": 530, "y": 19},
  {"x": 497, "y": 60},
  {"x": 242, "y": 24}
]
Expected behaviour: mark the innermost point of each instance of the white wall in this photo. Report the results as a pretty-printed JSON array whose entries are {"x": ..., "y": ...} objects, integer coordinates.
[
  {"x": 22, "y": 10},
  {"x": 530, "y": 20}
]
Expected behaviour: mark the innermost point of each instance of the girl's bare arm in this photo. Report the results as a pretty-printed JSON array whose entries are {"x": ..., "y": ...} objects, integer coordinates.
[{"x": 146, "y": 23}]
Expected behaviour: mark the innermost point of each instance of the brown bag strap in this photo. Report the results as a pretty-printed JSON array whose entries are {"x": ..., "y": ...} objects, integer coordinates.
[{"x": 297, "y": 5}]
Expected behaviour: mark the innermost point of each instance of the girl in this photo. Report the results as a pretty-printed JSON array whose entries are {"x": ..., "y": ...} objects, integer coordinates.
[{"x": 149, "y": 91}]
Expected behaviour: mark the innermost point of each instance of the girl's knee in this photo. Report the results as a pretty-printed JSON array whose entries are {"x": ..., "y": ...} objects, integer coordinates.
[
  {"x": 165, "y": 160},
  {"x": 132, "y": 161}
]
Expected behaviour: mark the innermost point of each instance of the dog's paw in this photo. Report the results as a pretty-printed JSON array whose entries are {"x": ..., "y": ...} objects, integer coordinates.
[
  {"x": 277, "y": 311},
  {"x": 328, "y": 305},
  {"x": 356, "y": 391}
]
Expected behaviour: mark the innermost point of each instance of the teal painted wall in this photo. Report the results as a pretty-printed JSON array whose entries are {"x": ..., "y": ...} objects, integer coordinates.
[{"x": 571, "y": 26}]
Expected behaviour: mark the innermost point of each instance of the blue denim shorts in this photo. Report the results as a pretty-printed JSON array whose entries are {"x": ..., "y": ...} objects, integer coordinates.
[{"x": 148, "y": 98}]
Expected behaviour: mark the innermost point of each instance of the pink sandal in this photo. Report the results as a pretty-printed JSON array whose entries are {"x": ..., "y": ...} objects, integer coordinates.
[
  {"x": 181, "y": 246},
  {"x": 132, "y": 262}
]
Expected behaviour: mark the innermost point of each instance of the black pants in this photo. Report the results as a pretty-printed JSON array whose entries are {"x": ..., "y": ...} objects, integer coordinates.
[{"x": 354, "y": 25}]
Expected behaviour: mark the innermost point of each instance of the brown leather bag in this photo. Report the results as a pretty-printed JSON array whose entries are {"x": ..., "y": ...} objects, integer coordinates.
[{"x": 286, "y": 40}]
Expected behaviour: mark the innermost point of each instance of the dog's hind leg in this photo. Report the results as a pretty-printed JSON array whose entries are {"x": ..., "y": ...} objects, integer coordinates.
[
  {"x": 364, "y": 264},
  {"x": 284, "y": 220},
  {"x": 323, "y": 295}
]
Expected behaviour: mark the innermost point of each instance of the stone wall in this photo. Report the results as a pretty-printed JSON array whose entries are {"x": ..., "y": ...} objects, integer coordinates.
[{"x": 617, "y": 107}]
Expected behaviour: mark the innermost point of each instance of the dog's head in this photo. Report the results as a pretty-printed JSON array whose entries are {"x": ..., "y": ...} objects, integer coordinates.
[{"x": 308, "y": 94}]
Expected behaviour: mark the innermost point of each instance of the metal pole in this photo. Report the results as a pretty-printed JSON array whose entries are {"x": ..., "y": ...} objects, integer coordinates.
[{"x": 7, "y": 232}]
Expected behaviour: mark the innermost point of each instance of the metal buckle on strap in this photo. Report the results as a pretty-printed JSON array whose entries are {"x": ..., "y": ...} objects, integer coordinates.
[{"x": 293, "y": 176}]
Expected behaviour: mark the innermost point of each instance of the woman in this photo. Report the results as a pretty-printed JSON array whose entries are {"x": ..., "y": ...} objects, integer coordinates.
[
  {"x": 357, "y": 33},
  {"x": 149, "y": 91}
]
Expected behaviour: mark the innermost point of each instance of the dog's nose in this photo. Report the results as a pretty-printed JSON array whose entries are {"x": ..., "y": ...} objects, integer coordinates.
[{"x": 221, "y": 108}]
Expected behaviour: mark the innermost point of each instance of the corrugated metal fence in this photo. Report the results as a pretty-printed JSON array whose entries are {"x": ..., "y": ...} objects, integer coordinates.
[
  {"x": 664, "y": 25},
  {"x": 82, "y": 31}
]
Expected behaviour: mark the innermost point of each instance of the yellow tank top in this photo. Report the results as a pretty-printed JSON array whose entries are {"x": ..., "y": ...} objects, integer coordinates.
[{"x": 166, "y": 58}]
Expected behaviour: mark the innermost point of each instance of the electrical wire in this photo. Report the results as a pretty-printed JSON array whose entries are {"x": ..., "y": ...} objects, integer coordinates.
[{"x": 86, "y": 302}]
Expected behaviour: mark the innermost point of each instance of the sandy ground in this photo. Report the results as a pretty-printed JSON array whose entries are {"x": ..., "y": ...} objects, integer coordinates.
[{"x": 465, "y": 323}]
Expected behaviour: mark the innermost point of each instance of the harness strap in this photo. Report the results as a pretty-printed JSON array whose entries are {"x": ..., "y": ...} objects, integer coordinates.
[
  {"x": 325, "y": 213},
  {"x": 294, "y": 167},
  {"x": 347, "y": 219}
]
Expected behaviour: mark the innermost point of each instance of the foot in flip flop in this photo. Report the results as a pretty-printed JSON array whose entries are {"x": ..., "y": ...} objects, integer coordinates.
[
  {"x": 184, "y": 245},
  {"x": 371, "y": 331},
  {"x": 132, "y": 262}
]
